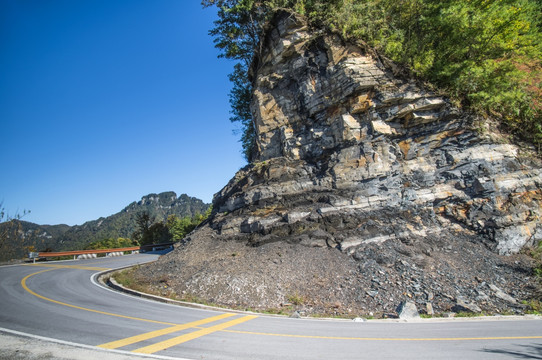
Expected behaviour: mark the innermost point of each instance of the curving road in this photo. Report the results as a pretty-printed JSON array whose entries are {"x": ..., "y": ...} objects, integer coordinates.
[{"x": 61, "y": 301}]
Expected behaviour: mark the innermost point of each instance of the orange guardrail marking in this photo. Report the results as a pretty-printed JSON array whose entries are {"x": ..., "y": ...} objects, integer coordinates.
[{"x": 81, "y": 252}]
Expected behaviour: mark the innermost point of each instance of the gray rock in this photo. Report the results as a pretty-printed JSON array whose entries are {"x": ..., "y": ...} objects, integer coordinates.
[
  {"x": 512, "y": 239},
  {"x": 295, "y": 315},
  {"x": 482, "y": 296},
  {"x": 463, "y": 305},
  {"x": 407, "y": 311},
  {"x": 381, "y": 127},
  {"x": 502, "y": 295},
  {"x": 294, "y": 217},
  {"x": 429, "y": 309}
]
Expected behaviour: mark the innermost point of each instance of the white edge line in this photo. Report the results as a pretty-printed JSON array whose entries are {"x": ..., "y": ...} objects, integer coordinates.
[
  {"x": 196, "y": 307},
  {"x": 90, "y": 347}
]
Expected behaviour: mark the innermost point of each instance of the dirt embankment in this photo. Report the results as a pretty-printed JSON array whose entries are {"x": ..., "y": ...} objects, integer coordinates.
[{"x": 438, "y": 275}]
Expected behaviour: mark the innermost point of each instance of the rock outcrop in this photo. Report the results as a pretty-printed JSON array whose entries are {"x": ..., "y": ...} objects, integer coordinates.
[
  {"x": 344, "y": 144},
  {"x": 386, "y": 174}
]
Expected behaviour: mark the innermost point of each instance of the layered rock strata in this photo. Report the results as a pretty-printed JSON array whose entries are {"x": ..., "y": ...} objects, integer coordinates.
[
  {"x": 342, "y": 141},
  {"x": 374, "y": 188}
]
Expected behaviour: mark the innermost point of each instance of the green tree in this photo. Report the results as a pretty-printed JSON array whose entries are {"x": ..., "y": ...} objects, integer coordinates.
[
  {"x": 240, "y": 98},
  {"x": 236, "y": 34},
  {"x": 111, "y": 243},
  {"x": 144, "y": 221},
  {"x": 13, "y": 240},
  {"x": 484, "y": 53},
  {"x": 149, "y": 231},
  {"x": 180, "y": 227},
  {"x": 158, "y": 233}
]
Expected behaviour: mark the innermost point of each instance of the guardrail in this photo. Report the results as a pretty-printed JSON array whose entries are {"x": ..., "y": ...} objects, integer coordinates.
[
  {"x": 155, "y": 247},
  {"x": 75, "y": 253}
]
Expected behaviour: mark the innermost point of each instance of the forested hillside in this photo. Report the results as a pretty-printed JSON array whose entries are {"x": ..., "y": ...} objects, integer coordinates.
[
  {"x": 18, "y": 237},
  {"x": 124, "y": 223},
  {"x": 484, "y": 54}
]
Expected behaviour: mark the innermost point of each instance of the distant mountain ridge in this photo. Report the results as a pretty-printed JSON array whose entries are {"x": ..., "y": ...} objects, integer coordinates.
[{"x": 122, "y": 224}]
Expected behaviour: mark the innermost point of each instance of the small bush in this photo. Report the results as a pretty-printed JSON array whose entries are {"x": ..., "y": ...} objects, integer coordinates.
[{"x": 296, "y": 299}]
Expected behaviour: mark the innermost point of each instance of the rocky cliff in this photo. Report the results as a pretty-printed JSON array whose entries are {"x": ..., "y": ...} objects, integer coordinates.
[{"x": 368, "y": 189}]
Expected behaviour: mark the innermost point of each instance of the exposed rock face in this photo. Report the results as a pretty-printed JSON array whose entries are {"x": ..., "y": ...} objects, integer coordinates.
[
  {"x": 368, "y": 190},
  {"x": 347, "y": 148}
]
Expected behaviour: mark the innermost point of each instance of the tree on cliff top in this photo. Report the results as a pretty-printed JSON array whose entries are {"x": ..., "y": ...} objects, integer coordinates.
[
  {"x": 237, "y": 34},
  {"x": 484, "y": 53}
]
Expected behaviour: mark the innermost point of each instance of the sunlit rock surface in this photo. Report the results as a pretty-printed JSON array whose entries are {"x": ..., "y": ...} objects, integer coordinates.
[{"x": 341, "y": 141}]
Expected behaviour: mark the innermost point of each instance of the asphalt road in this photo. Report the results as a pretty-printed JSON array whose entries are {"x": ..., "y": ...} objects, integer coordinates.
[{"x": 59, "y": 301}]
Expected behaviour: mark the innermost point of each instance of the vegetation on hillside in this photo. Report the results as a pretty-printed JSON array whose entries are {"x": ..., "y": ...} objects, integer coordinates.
[
  {"x": 180, "y": 227},
  {"x": 486, "y": 54},
  {"x": 111, "y": 243},
  {"x": 174, "y": 229},
  {"x": 150, "y": 231},
  {"x": 17, "y": 237},
  {"x": 124, "y": 223},
  {"x": 11, "y": 232}
]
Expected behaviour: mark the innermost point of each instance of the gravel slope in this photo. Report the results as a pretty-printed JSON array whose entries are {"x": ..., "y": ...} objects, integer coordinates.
[{"x": 461, "y": 276}]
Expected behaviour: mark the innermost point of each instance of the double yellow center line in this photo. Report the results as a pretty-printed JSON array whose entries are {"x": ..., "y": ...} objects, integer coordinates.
[
  {"x": 149, "y": 335},
  {"x": 162, "y": 345},
  {"x": 202, "y": 331}
]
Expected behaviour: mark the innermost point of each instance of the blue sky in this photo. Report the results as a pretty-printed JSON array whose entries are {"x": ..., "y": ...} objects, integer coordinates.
[{"x": 105, "y": 101}]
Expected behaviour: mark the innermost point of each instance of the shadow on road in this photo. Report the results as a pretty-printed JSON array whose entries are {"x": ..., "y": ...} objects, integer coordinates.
[{"x": 524, "y": 352}]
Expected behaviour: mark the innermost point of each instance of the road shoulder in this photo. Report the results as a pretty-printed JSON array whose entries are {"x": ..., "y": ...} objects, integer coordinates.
[{"x": 21, "y": 346}]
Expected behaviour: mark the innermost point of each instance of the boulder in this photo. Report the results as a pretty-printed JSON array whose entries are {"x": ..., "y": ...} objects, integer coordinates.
[
  {"x": 501, "y": 294},
  {"x": 463, "y": 305},
  {"x": 407, "y": 311}
]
